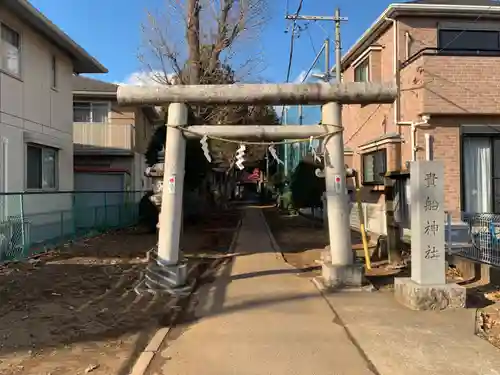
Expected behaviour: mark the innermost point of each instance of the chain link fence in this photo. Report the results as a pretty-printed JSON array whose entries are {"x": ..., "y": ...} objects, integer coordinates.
[{"x": 34, "y": 222}]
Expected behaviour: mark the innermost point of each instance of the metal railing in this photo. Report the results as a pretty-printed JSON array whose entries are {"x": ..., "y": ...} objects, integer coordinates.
[
  {"x": 31, "y": 222},
  {"x": 480, "y": 238}
]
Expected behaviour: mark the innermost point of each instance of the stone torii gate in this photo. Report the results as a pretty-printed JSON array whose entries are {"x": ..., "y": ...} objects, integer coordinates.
[{"x": 167, "y": 272}]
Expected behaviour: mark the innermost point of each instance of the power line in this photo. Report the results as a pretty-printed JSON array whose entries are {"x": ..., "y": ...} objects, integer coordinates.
[
  {"x": 290, "y": 55},
  {"x": 292, "y": 42},
  {"x": 311, "y": 40}
]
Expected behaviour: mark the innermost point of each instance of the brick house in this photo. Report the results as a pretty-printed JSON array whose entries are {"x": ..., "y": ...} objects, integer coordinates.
[{"x": 445, "y": 56}]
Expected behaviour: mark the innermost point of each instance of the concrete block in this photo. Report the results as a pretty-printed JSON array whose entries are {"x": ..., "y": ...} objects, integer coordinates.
[
  {"x": 339, "y": 276},
  {"x": 429, "y": 297},
  {"x": 326, "y": 256}
]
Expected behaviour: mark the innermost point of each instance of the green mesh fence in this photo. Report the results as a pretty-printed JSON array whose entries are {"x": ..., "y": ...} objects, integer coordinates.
[
  {"x": 306, "y": 115},
  {"x": 34, "y": 222}
]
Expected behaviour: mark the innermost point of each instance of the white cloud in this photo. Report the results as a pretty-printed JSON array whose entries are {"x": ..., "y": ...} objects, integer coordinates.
[{"x": 154, "y": 78}]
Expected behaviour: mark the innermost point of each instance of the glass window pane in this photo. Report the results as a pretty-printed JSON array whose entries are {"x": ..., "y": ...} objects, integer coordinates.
[
  {"x": 34, "y": 167},
  {"x": 54, "y": 72},
  {"x": 81, "y": 112},
  {"x": 100, "y": 112},
  {"x": 361, "y": 72},
  {"x": 10, "y": 50},
  {"x": 469, "y": 40},
  {"x": 496, "y": 197},
  {"x": 11, "y": 61},
  {"x": 496, "y": 156},
  {"x": 10, "y": 36},
  {"x": 49, "y": 168},
  {"x": 477, "y": 174},
  {"x": 368, "y": 164}
]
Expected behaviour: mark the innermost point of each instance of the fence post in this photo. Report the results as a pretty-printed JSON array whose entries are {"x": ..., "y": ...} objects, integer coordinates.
[
  {"x": 106, "y": 210},
  {"x": 23, "y": 234},
  {"x": 448, "y": 236},
  {"x": 62, "y": 224},
  {"x": 120, "y": 207},
  {"x": 73, "y": 214}
]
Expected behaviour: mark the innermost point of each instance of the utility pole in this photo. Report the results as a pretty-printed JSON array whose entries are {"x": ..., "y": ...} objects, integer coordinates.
[
  {"x": 285, "y": 146},
  {"x": 335, "y": 177},
  {"x": 337, "y": 203}
]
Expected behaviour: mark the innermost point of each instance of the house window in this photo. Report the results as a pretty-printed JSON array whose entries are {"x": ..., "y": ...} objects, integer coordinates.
[
  {"x": 374, "y": 165},
  {"x": 10, "y": 50},
  {"x": 361, "y": 72},
  {"x": 41, "y": 167},
  {"x": 90, "y": 112},
  {"x": 469, "y": 40},
  {"x": 54, "y": 72}
]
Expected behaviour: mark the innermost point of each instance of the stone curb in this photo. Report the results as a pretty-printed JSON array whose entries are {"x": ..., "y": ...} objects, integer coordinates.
[
  {"x": 274, "y": 243},
  {"x": 145, "y": 359}
]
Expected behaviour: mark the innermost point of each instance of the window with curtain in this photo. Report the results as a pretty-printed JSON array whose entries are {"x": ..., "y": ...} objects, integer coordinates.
[
  {"x": 374, "y": 165},
  {"x": 90, "y": 112},
  {"x": 10, "y": 50},
  {"x": 361, "y": 72},
  {"x": 477, "y": 174},
  {"x": 41, "y": 167}
]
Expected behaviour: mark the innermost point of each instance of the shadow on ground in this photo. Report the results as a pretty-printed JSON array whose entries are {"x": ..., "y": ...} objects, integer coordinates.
[{"x": 78, "y": 304}]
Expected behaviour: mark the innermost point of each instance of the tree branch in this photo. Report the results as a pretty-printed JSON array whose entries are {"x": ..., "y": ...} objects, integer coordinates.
[{"x": 193, "y": 39}]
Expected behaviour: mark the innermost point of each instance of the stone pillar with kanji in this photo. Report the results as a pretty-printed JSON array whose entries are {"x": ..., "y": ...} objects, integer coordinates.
[{"x": 427, "y": 288}]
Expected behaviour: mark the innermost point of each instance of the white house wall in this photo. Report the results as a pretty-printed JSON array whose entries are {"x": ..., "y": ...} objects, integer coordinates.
[{"x": 32, "y": 111}]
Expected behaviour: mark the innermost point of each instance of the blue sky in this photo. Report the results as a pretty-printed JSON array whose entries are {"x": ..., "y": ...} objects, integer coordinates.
[{"x": 110, "y": 30}]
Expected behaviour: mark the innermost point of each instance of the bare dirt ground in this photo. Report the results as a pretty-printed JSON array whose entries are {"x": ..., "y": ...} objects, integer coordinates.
[
  {"x": 74, "y": 310},
  {"x": 303, "y": 240}
]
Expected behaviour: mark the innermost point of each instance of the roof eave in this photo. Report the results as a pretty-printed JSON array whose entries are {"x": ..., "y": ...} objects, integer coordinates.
[
  {"x": 83, "y": 62},
  {"x": 94, "y": 93},
  {"x": 395, "y": 10}
]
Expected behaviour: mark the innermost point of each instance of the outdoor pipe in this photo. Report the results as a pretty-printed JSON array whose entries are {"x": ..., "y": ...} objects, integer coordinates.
[
  {"x": 413, "y": 134},
  {"x": 395, "y": 66}
]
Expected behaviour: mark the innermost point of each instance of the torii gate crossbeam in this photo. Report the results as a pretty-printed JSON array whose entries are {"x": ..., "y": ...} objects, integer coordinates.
[{"x": 340, "y": 270}]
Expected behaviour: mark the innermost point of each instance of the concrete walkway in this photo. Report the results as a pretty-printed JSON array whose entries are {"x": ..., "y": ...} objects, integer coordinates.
[
  {"x": 401, "y": 341},
  {"x": 260, "y": 318}
]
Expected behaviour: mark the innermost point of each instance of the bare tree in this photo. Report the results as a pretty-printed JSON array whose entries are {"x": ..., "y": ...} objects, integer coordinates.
[
  {"x": 180, "y": 36},
  {"x": 209, "y": 42}
]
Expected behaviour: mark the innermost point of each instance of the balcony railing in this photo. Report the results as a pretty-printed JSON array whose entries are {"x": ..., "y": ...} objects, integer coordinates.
[{"x": 104, "y": 135}]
